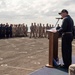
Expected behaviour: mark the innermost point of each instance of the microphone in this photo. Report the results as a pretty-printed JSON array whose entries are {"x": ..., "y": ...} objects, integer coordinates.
[
  {"x": 58, "y": 21},
  {"x": 59, "y": 18}
]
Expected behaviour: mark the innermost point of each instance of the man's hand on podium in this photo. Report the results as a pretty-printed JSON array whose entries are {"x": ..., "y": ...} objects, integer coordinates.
[
  {"x": 55, "y": 31},
  {"x": 52, "y": 30}
]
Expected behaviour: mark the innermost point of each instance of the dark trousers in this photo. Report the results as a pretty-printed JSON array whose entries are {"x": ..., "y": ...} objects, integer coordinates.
[
  {"x": 3, "y": 34},
  {"x": 7, "y": 34},
  {"x": 11, "y": 34},
  {"x": 67, "y": 49}
]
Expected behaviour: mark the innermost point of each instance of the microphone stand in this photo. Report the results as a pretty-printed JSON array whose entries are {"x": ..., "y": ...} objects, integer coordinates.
[{"x": 57, "y": 22}]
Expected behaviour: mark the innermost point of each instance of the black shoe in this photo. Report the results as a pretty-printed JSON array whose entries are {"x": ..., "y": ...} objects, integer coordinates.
[{"x": 63, "y": 66}]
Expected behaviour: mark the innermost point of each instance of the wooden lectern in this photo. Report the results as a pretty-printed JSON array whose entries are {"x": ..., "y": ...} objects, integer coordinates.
[{"x": 53, "y": 47}]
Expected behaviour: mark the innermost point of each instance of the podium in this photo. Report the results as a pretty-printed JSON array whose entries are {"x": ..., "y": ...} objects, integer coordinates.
[{"x": 53, "y": 47}]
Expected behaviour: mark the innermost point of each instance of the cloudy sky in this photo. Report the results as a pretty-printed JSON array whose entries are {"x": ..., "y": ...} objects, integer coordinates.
[{"x": 27, "y": 11}]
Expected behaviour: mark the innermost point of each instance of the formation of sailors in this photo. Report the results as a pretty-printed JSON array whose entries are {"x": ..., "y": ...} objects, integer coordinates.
[
  {"x": 39, "y": 30},
  {"x": 21, "y": 30},
  {"x": 5, "y": 30},
  {"x": 11, "y": 30}
]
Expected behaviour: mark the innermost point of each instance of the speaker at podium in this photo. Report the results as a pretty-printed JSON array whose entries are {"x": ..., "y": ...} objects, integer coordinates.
[{"x": 53, "y": 45}]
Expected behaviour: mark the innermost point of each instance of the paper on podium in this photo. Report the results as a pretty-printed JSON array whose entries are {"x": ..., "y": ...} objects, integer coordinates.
[{"x": 52, "y": 30}]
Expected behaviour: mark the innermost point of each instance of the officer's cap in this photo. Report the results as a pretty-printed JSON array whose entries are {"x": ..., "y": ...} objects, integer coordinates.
[{"x": 63, "y": 11}]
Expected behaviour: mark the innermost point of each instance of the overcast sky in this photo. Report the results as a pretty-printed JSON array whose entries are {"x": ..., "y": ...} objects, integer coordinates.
[{"x": 26, "y": 11}]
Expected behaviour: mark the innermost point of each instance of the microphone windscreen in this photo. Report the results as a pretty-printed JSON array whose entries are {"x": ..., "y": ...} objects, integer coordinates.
[{"x": 59, "y": 18}]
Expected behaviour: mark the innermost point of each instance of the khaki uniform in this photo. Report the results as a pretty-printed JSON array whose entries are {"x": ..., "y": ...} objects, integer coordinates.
[
  {"x": 35, "y": 31},
  {"x": 14, "y": 31},
  {"x": 47, "y": 27},
  {"x": 18, "y": 31},
  {"x": 21, "y": 32},
  {"x": 40, "y": 31},
  {"x": 26, "y": 30},
  {"x": 44, "y": 31},
  {"x": 50, "y": 26},
  {"x": 31, "y": 31}
]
